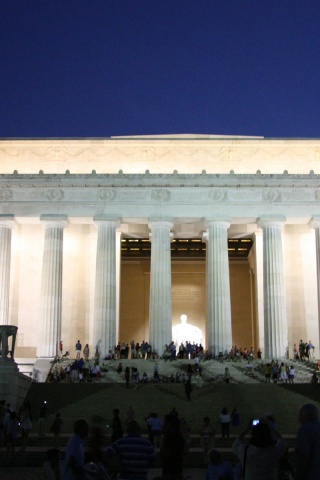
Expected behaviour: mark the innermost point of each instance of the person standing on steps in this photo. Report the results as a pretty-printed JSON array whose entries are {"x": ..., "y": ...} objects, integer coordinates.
[
  {"x": 43, "y": 411},
  {"x": 225, "y": 420},
  {"x": 235, "y": 421},
  {"x": 78, "y": 350},
  {"x": 86, "y": 352},
  {"x": 188, "y": 389},
  {"x": 56, "y": 429},
  {"x": 127, "y": 376},
  {"x": 117, "y": 430},
  {"x": 207, "y": 437}
]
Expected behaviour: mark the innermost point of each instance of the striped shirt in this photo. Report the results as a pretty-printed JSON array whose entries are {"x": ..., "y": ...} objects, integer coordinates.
[{"x": 136, "y": 453}]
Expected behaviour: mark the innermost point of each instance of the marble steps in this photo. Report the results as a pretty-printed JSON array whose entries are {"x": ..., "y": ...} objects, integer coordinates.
[{"x": 95, "y": 402}]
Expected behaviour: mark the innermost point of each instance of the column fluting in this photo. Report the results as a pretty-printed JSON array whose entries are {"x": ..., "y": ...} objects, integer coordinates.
[
  {"x": 6, "y": 224},
  {"x": 219, "y": 337},
  {"x": 51, "y": 285},
  {"x": 315, "y": 223},
  {"x": 275, "y": 315},
  {"x": 105, "y": 303},
  {"x": 160, "y": 309}
]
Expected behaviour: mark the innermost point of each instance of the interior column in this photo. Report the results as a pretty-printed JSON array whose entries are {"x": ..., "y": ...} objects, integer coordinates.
[
  {"x": 160, "y": 310},
  {"x": 51, "y": 285},
  {"x": 275, "y": 315}
]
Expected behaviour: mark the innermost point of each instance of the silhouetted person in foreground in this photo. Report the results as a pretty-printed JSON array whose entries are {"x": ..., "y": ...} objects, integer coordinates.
[
  {"x": 218, "y": 468},
  {"x": 308, "y": 444},
  {"x": 117, "y": 430},
  {"x": 262, "y": 453},
  {"x": 131, "y": 455},
  {"x": 173, "y": 449},
  {"x": 74, "y": 459}
]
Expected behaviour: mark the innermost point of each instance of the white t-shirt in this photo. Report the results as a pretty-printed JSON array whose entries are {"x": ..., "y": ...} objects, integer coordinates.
[{"x": 260, "y": 462}]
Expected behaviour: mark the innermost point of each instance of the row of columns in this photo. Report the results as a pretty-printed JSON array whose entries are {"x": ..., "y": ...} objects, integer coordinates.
[{"x": 219, "y": 330}]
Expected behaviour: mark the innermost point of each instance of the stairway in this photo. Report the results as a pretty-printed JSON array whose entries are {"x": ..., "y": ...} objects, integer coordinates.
[{"x": 95, "y": 402}]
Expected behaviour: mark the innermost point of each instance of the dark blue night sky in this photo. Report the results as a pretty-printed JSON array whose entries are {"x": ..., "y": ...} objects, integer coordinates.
[{"x": 89, "y": 68}]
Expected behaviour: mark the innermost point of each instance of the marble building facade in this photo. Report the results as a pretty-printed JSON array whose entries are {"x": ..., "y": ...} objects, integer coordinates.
[{"x": 66, "y": 204}]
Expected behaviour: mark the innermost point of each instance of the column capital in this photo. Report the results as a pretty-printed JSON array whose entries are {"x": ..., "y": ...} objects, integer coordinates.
[
  {"x": 160, "y": 222},
  {"x": 104, "y": 219},
  {"x": 53, "y": 220},
  {"x": 271, "y": 221},
  {"x": 223, "y": 222},
  {"x": 7, "y": 221},
  {"x": 315, "y": 221}
]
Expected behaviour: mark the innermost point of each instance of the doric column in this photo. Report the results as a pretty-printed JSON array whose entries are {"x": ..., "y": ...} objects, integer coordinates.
[
  {"x": 105, "y": 298},
  {"x": 160, "y": 310},
  {"x": 315, "y": 223},
  {"x": 6, "y": 224},
  {"x": 218, "y": 287},
  {"x": 275, "y": 316},
  {"x": 51, "y": 285}
]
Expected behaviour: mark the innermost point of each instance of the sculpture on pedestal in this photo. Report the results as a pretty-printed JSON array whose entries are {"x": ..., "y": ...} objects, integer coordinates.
[
  {"x": 6, "y": 350},
  {"x": 186, "y": 332}
]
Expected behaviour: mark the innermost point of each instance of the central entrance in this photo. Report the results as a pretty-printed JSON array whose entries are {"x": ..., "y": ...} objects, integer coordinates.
[{"x": 189, "y": 296}]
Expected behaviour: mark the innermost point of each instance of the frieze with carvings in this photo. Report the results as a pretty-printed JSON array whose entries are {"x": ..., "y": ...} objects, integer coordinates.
[
  {"x": 199, "y": 195},
  {"x": 169, "y": 189},
  {"x": 209, "y": 153}
]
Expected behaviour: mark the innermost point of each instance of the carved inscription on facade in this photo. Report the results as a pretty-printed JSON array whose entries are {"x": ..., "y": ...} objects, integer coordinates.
[
  {"x": 244, "y": 195},
  {"x": 185, "y": 293},
  {"x": 298, "y": 195}
]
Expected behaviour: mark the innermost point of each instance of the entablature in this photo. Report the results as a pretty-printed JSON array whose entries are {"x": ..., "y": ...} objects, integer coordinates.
[{"x": 241, "y": 197}]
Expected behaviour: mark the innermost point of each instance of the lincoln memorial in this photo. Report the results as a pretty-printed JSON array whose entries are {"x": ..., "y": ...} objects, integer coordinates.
[{"x": 117, "y": 239}]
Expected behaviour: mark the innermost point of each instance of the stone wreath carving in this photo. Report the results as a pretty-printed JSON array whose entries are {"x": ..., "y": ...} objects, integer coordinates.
[
  {"x": 55, "y": 195},
  {"x": 161, "y": 195},
  {"x": 272, "y": 196},
  {"x": 217, "y": 195},
  {"x": 107, "y": 194}
]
